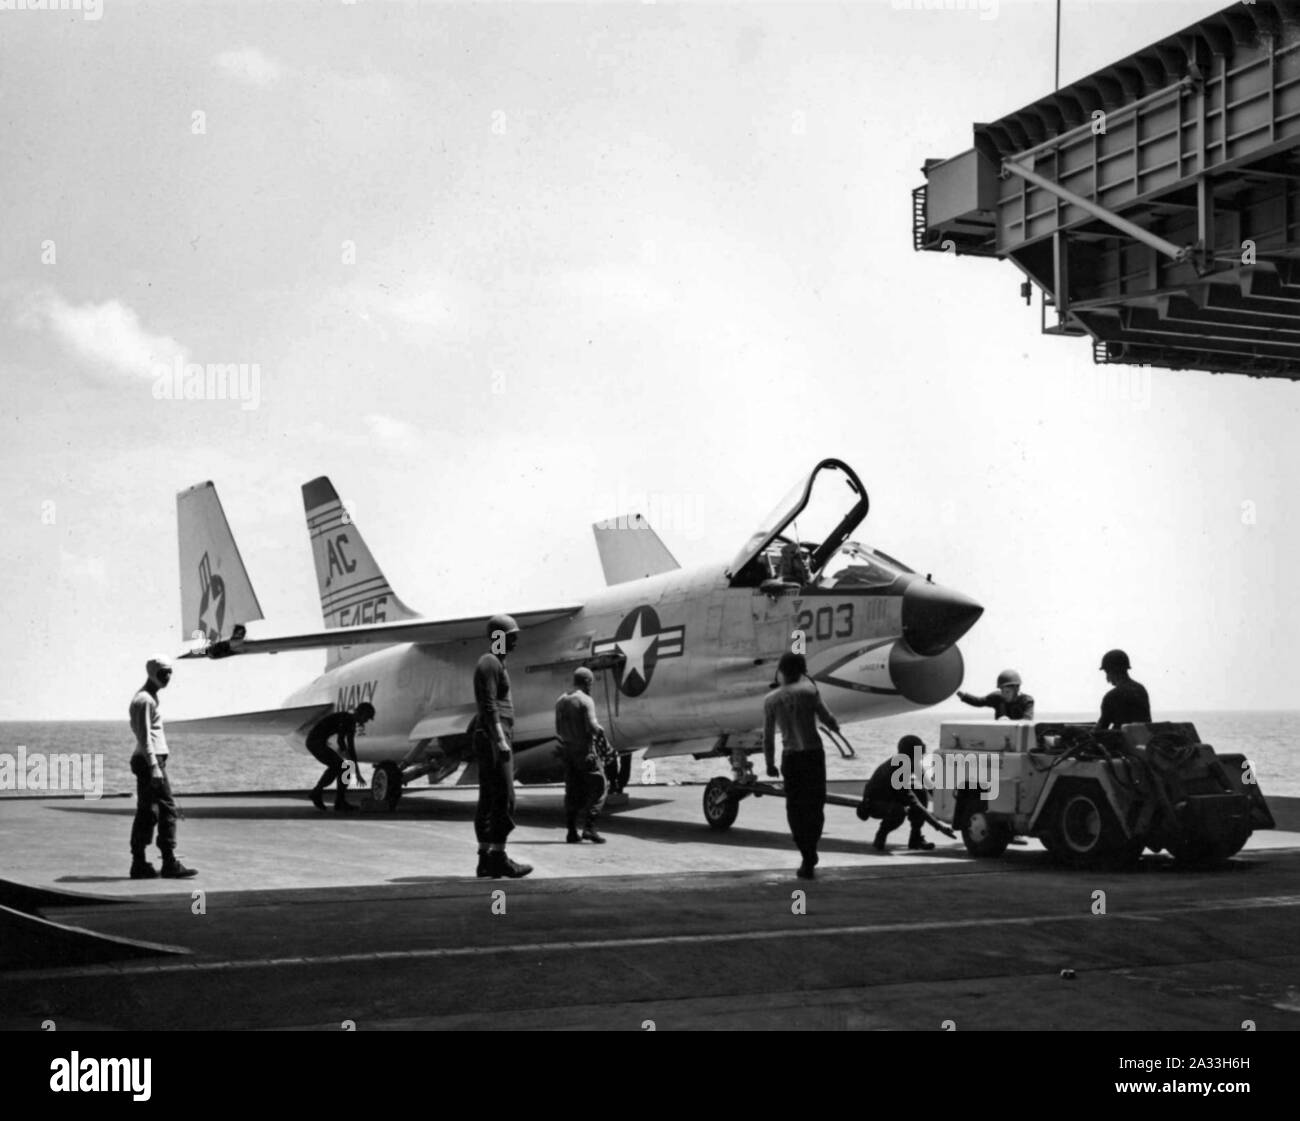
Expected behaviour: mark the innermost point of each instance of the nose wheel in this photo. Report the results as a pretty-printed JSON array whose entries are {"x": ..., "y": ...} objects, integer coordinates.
[{"x": 720, "y": 804}]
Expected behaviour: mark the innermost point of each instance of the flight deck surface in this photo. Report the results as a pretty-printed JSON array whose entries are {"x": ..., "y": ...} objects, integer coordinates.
[{"x": 314, "y": 920}]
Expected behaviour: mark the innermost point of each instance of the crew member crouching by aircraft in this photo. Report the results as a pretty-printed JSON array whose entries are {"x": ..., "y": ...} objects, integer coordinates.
[
  {"x": 1008, "y": 701},
  {"x": 154, "y": 801},
  {"x": 493, "y": 729},
  {"x": 344, "y": 725},
  {"x": 796, "y": 706},
  {"x": 1127, "y": 702},
  {"x": 584, "y": 774},
  {"x": 892, "y": 798}
]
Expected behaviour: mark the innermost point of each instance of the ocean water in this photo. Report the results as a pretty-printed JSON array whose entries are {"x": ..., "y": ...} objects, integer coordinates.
[{"x": 205, "y": 764}]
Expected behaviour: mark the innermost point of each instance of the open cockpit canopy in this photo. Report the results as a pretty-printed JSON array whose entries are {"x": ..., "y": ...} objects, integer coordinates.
[{"x": 794, "y": 543}]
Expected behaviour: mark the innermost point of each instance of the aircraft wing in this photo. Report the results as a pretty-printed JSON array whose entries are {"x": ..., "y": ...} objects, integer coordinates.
[
  {"x": 269, "y": 722},
  {"x": 430, "y": 632}
]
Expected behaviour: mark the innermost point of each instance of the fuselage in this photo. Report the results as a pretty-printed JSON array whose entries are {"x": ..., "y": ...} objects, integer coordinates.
[{"x": 682, "y": 656}]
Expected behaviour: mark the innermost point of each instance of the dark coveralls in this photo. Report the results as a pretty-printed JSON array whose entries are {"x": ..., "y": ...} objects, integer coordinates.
[
  {"x": 584, "y": 774},
  {"x": 343, "y": 725},
  {"x": 796, "y": 709},
  {"x": 153, "y": 806},
  {"x": 494, "y": 818},
  {"x": 1021, "y": 707},
  {"x": 893, "y": 804},
  {"x": 1126, "y": 703}
]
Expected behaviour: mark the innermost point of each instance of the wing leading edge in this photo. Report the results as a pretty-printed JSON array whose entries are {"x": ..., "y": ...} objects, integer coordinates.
[{"x": 425, "y": 632}]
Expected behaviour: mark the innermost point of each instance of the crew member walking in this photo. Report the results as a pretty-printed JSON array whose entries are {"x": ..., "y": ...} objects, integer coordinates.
[
  {"x": 1127, "y": 702},
  {"x": 1008, "y": 701},
  {"x": 895, "y": 791},
  {"x": 796, "y": 706},
  {"x": 154, "y": 802},
  {"x": 584, "y": 774},
  {"x": 493, "y": 731},
  {"x": 344, "y": 725}
]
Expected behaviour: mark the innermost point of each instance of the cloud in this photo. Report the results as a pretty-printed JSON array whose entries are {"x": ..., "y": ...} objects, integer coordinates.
[
  {"x": 106, "y": 334},
  {"x": 395, "y": 435},
  {"x": 249, "y": 65}
]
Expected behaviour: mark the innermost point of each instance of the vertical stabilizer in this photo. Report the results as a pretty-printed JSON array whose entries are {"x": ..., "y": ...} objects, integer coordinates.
[
  {"x": 353, "y": 589},
  {"x": 216, "y": 593}
]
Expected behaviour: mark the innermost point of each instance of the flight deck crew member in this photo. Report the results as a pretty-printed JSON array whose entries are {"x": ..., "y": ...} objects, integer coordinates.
[
  {"x": 344, "y": 725},
  {"x": 1127, "y": 702},
  {"x": 493, "y": 732},
  {"x": 154, "y": 802},
  {"x": 577, "y": 728},
  {"x": 893, "y": 800},
  {"x": 796, "y": 706},
  {"x": 1008, "y": 701}
]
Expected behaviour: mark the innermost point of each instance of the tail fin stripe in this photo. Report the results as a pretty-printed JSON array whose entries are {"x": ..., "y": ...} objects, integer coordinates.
[{"x": 363, "y": 588}]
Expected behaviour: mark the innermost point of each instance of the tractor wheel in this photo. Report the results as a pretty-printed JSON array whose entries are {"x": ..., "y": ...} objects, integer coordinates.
[
  {"x": 985, "y": 836},
  {"x": 1083, "y": 831},
  {"x": 720, "y": 808}
]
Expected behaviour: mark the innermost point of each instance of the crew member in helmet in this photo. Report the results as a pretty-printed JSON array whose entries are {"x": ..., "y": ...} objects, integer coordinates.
[
  {"x": 493, "y": 732},
  {"x": 896, "y": 792},
  {"x": 1127, "y": 702},
  {"x": 577, "y": 729},
  {"x": 342, "y": 724},
  {"x": 1008, "y": 701}
]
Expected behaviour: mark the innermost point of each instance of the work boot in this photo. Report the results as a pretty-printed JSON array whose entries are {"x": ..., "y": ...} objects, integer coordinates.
[
  {"x": 805, "y": 871},
  {"x": 141, "y": 869},
  {"x": 572, "y": 837},
  {"x": 173, "y": 869},
  {"x": 510, "y": 869},
  {"x": 880, "y": 840},
  {"x": 590, "y": 834},
  {"x": 916, "y": 841},
  {"x": 318, "y": 799},
  {"x": 484, "y": 865},
  {"x": 343, "y": 806}
]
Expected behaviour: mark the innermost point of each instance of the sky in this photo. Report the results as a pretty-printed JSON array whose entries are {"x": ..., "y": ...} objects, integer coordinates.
[{"x": 505, "y": 270}]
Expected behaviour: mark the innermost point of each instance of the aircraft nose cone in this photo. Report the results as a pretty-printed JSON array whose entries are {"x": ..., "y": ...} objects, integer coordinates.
[{"x": 935, "y": 617}]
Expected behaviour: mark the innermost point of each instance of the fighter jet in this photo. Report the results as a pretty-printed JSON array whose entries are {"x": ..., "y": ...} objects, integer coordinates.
[{"x": 682, "y": 657}]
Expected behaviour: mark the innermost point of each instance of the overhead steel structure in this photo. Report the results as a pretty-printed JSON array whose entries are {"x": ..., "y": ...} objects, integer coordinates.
[{"x": 1156, "y": 203}]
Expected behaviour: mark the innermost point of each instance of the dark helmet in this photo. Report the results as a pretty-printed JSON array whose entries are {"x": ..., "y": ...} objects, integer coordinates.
[
  {"x": 1008, "y": 677},
  {"x": 503, "y": 624},
  {"x": 1114, "y": 660},
  {"x": 792, "y": 665},
  {"x": 908, "y": 743},
  {"x": 365, "y": 712}
]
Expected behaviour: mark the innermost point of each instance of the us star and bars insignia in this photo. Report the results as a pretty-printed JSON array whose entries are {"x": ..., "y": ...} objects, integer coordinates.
[{"x": 642, "y": 641}]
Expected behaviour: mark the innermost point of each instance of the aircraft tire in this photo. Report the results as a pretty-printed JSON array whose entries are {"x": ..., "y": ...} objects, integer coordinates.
[
  {"x": 386, "y": 785},
  {"x": 720, "y": 808}
]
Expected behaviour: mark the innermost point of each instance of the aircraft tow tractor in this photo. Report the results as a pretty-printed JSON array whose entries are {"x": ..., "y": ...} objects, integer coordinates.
[{"x": 1097, "y": 798}]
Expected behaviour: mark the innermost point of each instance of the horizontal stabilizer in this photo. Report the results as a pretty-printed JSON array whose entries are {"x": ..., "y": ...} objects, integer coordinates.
[
  {"x": 631, "y": 550},
  {"x": 271, "y": 722},
  {"x": 430, "y": 632}
]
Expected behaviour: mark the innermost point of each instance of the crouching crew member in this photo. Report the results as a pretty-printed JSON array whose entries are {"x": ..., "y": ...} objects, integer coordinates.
[
  {"x": 1127, "y": 702},
  {"x": 578, "y": 729},
  {"x": 893, "y": 799},
  {"x": 493, "y": 737},
  {"x": 796, "y": 706},
  {"x": 1008, "y": 701},
  {"x": 154, "y": 802},
  {"x": 344, "y": 725}
]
